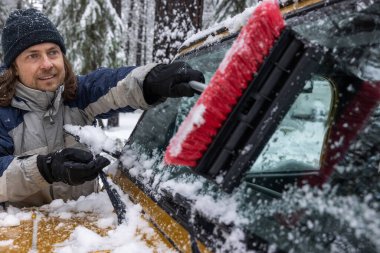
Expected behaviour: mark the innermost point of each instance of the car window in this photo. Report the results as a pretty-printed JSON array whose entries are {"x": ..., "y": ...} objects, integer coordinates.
[
  {"x": 208, "y": 59},
  {"x": 296, "y": 145},
  {"x": 156, "y": 128},
  {"x": 352, "y": 36}
]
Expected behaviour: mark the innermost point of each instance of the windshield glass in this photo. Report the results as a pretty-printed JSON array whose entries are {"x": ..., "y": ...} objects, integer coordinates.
[
  {"x": 206, "y": 60},
  {"x": 297, "y": 143},
  {"x": 351, "y": 31}
]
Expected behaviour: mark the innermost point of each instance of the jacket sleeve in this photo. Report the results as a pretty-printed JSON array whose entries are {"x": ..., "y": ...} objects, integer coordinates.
[
  {"x": 19, "y": 176},
  {"x": 21, "y": 179},
  {"x": 106, "y": 91}
]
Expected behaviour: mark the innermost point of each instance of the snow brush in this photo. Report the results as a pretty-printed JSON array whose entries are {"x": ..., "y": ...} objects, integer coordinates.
[{"x": 230, "y": 80}]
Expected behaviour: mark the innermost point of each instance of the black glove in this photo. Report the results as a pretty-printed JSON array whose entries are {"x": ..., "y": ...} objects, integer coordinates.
[
  {"x": 170, "y": 80},
  {"x": 71, "y": 166}
]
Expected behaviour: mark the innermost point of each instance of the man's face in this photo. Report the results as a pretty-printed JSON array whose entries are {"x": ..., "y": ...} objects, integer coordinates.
[{"x": 41, "y": 67}]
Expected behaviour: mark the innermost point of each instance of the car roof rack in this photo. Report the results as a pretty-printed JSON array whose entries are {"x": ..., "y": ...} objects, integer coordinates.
[{"x": 260, "y": 109}]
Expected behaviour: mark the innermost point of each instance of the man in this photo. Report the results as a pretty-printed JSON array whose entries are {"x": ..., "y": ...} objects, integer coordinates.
[{"x": 39, "y": 93}]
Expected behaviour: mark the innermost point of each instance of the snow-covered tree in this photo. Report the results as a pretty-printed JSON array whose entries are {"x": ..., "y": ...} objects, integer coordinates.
[
  {"x": 38, "y": 4},
  {"x": 4, "y": 12},
  {"x": 218, "y": 10},
  {"x": 175, "y": 20},
  {"x": 138, "y": 18},
  {"x": 92, "y": 31}
]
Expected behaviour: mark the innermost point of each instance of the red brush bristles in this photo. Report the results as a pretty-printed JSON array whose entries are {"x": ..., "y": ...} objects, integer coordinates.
[{"x": 227, "y": 85}]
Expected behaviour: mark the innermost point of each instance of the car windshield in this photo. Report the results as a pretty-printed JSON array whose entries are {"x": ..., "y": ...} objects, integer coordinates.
[
  {"x": 351, "y": 31},
  {"x": 297, "y": 143}
]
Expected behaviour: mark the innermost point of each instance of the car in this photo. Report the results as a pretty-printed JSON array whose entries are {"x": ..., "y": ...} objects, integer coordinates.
[{"x": 295, "y": 167}]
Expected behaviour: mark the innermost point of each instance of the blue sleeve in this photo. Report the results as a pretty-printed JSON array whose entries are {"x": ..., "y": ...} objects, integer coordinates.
[
  {"x": 8, "y": 122},
  {"x": 4, "y": 163},
  {"x": 96, "y": 84}
]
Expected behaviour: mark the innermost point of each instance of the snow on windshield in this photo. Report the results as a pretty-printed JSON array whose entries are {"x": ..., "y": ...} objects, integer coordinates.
[
  {"x": 233, "y": 24},
  {"x": 350, "y": 31}
]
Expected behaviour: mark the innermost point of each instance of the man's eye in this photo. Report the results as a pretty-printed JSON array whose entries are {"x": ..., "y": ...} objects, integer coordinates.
[
  {"x": 54, "y": 52},
  {"x": 33, "y": 56}
]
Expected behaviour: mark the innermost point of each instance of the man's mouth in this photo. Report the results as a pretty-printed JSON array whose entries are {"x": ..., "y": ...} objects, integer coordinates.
[{"x": 46, "y": 77}]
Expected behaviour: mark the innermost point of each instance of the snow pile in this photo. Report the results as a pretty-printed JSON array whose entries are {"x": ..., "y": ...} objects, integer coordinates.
[
  {"x": 94, "y": 138},
  {"x": 122, "y": 239},
  {"x": 96, "y": 203},
  {"x": 6, "y": 243},
  {"x": 13, "y": 217},
  {"x": 127, "y": 237},
  {"x": 131, "y": 236}
]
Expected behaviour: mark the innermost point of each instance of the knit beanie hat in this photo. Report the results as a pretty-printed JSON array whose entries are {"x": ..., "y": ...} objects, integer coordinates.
[{"x": 26, "y": 28}]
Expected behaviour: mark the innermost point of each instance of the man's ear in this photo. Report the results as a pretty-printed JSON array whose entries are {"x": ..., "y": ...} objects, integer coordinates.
[{"x": 15, "y": 68}]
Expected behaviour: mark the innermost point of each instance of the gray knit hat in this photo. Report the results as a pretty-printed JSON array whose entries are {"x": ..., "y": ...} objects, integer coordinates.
[{"x": 26, "y": 28}]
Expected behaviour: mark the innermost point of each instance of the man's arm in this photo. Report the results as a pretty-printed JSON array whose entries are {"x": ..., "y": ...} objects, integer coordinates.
[
  {"x": 130, "y": 88},
  {"x": 106, "y": 91}
]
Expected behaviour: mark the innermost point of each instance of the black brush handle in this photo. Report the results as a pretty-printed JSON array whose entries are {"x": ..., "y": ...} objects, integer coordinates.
[{"x": 198, "y": 86}]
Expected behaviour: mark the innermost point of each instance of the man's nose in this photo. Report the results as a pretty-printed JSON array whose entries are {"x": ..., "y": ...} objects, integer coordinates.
[{"x": 46, "y": 62}]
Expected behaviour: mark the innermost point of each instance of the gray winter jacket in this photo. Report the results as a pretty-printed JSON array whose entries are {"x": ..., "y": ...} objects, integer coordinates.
[{"x": 33, "y": 125}]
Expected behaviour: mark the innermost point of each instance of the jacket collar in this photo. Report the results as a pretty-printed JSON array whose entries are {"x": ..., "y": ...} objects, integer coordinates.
[{"x": 35, "y": 100}]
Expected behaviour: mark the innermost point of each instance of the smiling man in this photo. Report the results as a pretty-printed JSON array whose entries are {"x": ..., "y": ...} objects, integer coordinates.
[
  {"x": 39, "y": 94},
  {"x": 41, "y": 67}
]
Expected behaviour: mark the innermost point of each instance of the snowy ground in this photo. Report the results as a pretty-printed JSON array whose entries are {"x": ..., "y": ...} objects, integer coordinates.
[
  {"x": 120, "y": 238},
  {"x": 127, "y": 122}
]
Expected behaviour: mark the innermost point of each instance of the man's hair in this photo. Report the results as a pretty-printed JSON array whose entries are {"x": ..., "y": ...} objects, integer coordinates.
[{"x": 8, "y": 80}]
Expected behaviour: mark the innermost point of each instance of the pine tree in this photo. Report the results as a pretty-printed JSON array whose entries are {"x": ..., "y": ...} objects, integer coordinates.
[
  {"x": 175, "y": 20},
  {"x": 219, "y": 10},
  {"x": 92, "y": 31},
  {"x": 4, "y": 12}
]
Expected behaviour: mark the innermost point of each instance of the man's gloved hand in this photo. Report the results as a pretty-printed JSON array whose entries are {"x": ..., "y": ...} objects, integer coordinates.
[
  {"x": 71, "y": 166},
  {"x": 170, "y": 80}
]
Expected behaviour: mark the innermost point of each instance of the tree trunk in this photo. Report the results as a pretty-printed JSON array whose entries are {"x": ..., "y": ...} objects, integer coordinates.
[
  {"x": 174, "y": 21},
  {"x": 114, "y": 120},
  {"x": 129, "y": 23},
  {"x": 140, "y": 33},
  {"x": 117, "y": 5},
  {"x": 195, "y": 8}
]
